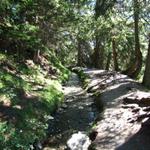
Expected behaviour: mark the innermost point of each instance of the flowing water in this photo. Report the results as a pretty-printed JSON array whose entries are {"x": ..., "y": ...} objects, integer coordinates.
[{"x": 77, "y": 113}]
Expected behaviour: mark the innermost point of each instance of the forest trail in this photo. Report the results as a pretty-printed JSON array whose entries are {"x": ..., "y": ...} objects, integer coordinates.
[
  {"x": 77, "y": 113},
  {"x": 124, "y": 126},
  {"x": 117, "y": 124}
]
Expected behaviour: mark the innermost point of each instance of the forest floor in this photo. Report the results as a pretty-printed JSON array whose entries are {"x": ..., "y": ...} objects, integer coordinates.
[{"x": 124, "y": 123}]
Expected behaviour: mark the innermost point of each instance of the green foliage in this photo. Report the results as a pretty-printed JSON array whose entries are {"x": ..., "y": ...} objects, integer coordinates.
[
  {"x": 102, "y": 6},
  {"x": 83, "y": 77},
  {"x": 48, "y": 34},
  {"x": 12, "y": 138},
  {"x": 52, "y": 95},
  {"x": 30, "y": 97},
  {"x": 60, "y": 69}
]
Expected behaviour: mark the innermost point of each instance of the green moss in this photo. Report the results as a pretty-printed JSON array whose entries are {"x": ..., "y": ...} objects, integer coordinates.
[
  {"x": 84, "y": 78},
  {"x": 29, "y": 96},
  {"x": 52, "y": 95}
]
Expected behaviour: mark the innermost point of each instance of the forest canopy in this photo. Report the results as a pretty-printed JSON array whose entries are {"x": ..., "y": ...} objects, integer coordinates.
[{"x": 83, "y": 32}]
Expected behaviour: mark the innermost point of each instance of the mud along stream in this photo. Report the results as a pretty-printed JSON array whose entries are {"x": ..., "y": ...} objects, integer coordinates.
[{"x": 76, "y": 114}]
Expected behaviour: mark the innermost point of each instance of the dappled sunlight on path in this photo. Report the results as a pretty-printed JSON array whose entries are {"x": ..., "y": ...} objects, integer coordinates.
[
  {"x": 117, "y": 128},
  {"x": 114, "y": 129}
]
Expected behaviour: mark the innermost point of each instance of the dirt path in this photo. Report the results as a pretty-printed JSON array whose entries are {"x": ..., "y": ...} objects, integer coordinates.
[
  {"x": 118, "y": 128},
  {"x": 76, "y": 114}
]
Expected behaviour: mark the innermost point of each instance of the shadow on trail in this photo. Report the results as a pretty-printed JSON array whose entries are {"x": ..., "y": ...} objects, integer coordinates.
[
  {"x": 139, "y": 141},
  {"x": 114, "y": 130},
  {"x": 118, "y": 91}
]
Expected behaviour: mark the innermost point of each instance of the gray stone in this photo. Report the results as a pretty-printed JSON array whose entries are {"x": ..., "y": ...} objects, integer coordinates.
[{"x": 79, "y": 141}]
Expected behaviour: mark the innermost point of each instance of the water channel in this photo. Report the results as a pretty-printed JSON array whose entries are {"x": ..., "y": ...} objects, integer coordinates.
[{"x": 77, "y": 113}]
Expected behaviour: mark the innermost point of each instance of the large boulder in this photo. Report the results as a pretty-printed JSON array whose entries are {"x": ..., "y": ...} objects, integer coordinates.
[{"x": 79, "y": 141}]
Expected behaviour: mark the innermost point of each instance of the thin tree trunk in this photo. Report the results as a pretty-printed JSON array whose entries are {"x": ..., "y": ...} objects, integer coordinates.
[
  {"x": 146, "y": 78},
  {"x": 79, "y": 53},
  {"x": 116, "y": 68},
  {"x": 36, "y": 56},
  {"x": 137, "y": 40},
  {"x": 98, "y": 55},
  {"x": 108, "y": 61}
]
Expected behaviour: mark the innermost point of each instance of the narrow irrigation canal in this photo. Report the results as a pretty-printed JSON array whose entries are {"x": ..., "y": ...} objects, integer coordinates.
[{"x": 76, "y": 114}]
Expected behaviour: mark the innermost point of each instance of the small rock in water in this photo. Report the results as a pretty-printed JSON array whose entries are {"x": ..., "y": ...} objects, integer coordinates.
[
  {"x": 79, "y": 141},
  {"x": 64, "y": 106},
  {"x": 81, "y": 107}
]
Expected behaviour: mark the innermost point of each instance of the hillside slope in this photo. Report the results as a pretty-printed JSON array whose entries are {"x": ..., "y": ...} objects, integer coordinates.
[{"x": 29, "y": 93}]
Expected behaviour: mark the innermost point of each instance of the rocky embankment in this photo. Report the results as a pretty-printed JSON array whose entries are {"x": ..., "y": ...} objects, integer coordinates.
[{"x": 124, "y": 123}]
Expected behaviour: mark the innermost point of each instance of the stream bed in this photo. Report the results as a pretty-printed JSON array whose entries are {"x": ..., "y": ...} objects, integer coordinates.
[{"x": 77, "y": 113}]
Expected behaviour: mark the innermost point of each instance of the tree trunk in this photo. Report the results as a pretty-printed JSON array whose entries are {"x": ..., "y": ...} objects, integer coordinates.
[
  {"x": 146, "y": 78},
  {"x": 36, "y": 56},
  {"x": 79, "y": 54},
  {"x": 98, "y": 56},
  {"x": 135, "y": 68},
  {"x": 116, "y": 68},
  {"x": 108, "y": 61}
]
